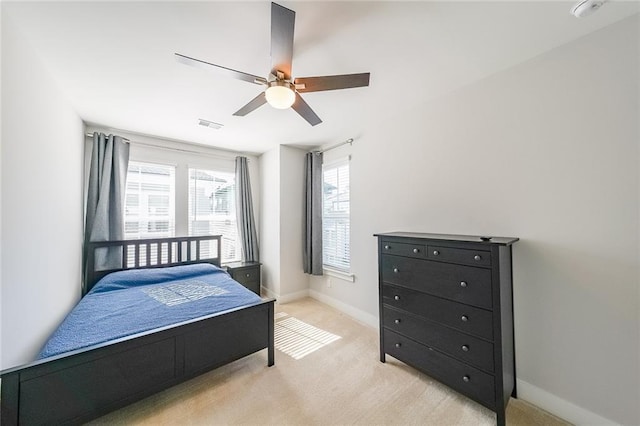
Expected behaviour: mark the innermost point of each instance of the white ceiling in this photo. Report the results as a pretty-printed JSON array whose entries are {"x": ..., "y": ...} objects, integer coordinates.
[{"x": 115, "y": 60}]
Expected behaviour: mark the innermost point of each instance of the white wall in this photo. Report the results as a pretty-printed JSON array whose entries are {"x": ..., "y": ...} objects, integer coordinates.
[
  {"x": 546, "y": 151},
  {"x": 282, "y": 179},
  {"x": 294, "y": 282},
  {"x": 41, "y": 217},
  {"x": 270, "y": 221}
]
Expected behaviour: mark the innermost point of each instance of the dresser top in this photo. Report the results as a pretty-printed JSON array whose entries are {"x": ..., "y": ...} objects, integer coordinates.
[{"x": 449, "y": 237}]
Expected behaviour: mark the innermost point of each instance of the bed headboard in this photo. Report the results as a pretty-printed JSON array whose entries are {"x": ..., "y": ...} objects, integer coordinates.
[{"x": 104, "y": 257}]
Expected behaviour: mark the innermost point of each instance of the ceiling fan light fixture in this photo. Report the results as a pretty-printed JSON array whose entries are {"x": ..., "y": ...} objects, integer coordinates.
[{"x": 280, "y": 94}]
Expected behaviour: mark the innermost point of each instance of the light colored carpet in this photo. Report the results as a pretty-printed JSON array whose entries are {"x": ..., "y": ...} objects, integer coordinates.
[{"x": 341, "y": 381}]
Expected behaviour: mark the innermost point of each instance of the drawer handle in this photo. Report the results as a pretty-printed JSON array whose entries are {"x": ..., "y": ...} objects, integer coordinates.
[
  {"x": 415, "y": 250},
  {"x": 397, "y": 321},
  {"x": 465, "y": 348},
  {"x": 466, "y": 378},
  {"x": 463, "y": 283},
  {"x": 464, "y": 318},
  {"x": 396, "y": 270},
  {"x": 436, "y": 252},
  {"x": 398, "y": 345},
  {"x": 387, "y": 247},
  {"x": 248, "y": 275},
  {"x": 396, "y": 297},
  {"x": 477, "y": 257}
]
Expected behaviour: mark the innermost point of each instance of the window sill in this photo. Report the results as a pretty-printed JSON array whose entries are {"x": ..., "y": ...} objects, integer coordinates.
[{"x": 347, "y": 276}]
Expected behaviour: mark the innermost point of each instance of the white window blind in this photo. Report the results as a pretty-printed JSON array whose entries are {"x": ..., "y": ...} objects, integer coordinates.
[
  {"x": 149, "y": 201},
  {"x": 212, "y": 209},
  {"x": 336, "y": 252}
]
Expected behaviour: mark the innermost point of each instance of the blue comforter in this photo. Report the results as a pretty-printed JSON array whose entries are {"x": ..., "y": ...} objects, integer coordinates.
[{"x": 129, "y": 302}]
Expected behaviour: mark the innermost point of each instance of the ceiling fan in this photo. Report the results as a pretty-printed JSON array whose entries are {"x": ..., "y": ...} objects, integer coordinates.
[{"x": 282, "y": 92}]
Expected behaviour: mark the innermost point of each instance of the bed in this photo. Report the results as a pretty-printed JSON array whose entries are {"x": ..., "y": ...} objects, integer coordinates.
[{"x": 110, "y": 366}]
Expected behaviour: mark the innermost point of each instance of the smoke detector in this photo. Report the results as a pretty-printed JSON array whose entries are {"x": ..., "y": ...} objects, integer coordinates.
[{"x": 586, "y": 7}]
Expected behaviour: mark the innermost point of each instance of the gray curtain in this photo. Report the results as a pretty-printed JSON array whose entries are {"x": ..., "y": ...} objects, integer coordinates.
[
  {"x": 244, "y": 212},
  {"x": 312, "y": 255},
  {"x": 105, "y": 196}
]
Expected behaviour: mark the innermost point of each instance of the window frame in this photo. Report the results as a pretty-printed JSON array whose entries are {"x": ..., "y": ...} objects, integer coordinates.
[{"x": 331, "y": 268}]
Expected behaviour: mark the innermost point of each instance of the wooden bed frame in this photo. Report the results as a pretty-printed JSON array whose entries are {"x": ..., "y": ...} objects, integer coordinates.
[{"x": 81, "y": 385}]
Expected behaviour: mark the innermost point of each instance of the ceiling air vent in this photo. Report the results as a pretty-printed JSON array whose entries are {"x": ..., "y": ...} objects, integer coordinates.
[{"x": 207, "y": 123}]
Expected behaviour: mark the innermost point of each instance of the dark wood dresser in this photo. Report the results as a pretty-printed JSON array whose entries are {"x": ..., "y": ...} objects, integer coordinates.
[
  {"x": 246, "y": 273},
  {"x": 446, "y": 308}
]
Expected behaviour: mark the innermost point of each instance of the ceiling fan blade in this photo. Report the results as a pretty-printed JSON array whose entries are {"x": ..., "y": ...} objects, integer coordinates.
[
  {"x": 255, "y": 103},
  {"x": 332, "y": 82},
  {"x": 302, "y": 108},
  {"x": 282, "y": 23},
  {"x": 222, "y": 70}
]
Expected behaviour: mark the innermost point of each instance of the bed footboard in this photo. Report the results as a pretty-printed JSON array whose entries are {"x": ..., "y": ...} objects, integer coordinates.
[{"x": 82, "y": 385}]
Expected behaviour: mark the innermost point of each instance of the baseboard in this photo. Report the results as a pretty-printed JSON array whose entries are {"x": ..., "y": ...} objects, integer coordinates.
[
  {"x": 290, "y": 297},
  {"x": 558, "y": 406},
  {"x": 357, "y": 314},
  {"x": 285, "y": 298},
  {"x": 265, "y": 292}
]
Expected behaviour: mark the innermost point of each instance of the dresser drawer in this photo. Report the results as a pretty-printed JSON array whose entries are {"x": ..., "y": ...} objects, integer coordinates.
[
  {"x": 457, "y": 255},
  {"x": 465, "y": 318},
  {"x": 464, "y": 378},
  {"x": 460, "y": 283},
  {"x": 455, "y": 343},
  {"x": 404, "y": 249}
]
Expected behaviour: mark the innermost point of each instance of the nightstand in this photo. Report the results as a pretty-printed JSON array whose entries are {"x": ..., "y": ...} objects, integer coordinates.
[{"x": 246, "y": 273}]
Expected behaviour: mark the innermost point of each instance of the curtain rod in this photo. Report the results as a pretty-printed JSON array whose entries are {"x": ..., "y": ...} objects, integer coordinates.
[
  {"x": 348, "y": 141},
  {"x": 90, "y": 135},
  {"x": 189, "y": 151}
]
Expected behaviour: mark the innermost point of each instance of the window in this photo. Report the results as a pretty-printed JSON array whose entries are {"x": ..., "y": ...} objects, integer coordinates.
[
  {"x": 150, "y": 206},
  {"x": 335, "y": 216},
  {"x": 212, "y": 209},
  {"x": 149, "y": 201}
]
